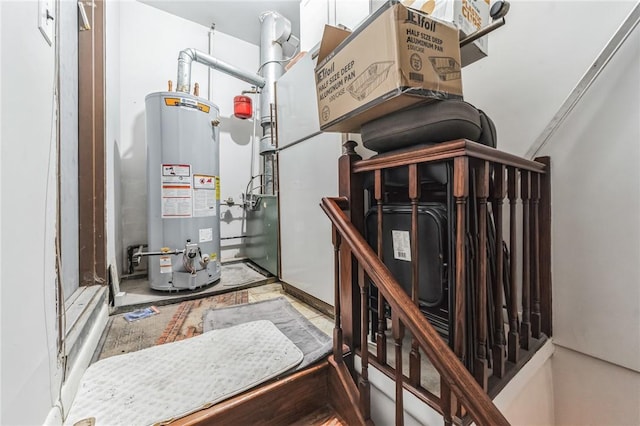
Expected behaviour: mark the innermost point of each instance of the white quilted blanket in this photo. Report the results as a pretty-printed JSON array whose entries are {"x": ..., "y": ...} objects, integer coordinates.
[{"x": 161, "y": 383}]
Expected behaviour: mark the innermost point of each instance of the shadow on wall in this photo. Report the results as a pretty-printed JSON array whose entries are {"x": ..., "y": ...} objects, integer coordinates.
[
  {"x": 230, "y": 246},
  {"x": 120, "y": 255},
  {"x": 240, "y": 131},
  {"x": 226, "y": 215},
  {"x": 133, "y": 206}
]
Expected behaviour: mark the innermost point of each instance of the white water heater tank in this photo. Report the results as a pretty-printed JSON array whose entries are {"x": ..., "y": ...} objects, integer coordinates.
[{"x": 183, "y": 187}]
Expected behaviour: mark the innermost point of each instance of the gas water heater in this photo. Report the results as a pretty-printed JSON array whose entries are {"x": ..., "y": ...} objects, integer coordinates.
[
  {"x": 183, "y": 163},
  {"x": 183, "y": 187}
]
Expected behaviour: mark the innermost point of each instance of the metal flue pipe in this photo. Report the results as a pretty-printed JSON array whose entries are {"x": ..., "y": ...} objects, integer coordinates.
[
  {"x": 275, "y": 41},
  {"x": 275, "y": 30},
  {"x": 275, "y": 38},
  {"x": 187, "y": 56}
]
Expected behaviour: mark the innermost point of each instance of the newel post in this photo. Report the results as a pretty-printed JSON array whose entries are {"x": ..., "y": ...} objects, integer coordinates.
[
  {"x": 350, "y": 186},
  {"x": 545, "y": 247}
]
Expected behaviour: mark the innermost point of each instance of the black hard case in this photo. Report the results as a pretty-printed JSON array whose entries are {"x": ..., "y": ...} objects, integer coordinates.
[{"x": 433, "y": 255}]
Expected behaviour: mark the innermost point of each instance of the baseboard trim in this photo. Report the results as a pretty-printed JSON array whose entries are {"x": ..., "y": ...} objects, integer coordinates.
[{"x": 310, "y": 300}]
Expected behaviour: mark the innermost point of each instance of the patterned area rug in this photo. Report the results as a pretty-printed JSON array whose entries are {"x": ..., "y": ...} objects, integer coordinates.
[
  {"x": 173, "y": 323},
  {"x": 165, "y": 382}
]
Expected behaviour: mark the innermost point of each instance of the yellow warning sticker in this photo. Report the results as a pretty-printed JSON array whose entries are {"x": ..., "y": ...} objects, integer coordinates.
[
  {"x": 203, "y": 107},
  {"x": 172, "y": 101},
  {"x": 189, "y": 103},
  {"x": 218, "y": 188}
]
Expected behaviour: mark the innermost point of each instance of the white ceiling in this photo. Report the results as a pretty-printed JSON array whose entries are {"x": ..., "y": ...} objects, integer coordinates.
[{"x": 238, "y": 18}]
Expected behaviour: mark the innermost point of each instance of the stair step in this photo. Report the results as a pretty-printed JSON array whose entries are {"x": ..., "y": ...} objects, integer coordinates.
[
  {"x": 313, "y": 396},
  {"x": 323, "y": 416},
  {"x": 277, "y": 403}
]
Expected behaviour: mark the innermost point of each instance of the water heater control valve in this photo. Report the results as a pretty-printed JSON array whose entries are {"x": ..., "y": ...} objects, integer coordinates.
[{"x": 191, "y": 252}]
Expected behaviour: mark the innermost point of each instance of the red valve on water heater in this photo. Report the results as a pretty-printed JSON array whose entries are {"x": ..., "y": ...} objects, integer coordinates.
[{"x": 242, "y": 107}]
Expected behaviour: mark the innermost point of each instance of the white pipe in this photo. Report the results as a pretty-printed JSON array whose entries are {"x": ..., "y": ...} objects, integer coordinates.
[
  {"x": 209, "y": 70},
  {"x": 253, "y": 143},
  {"x": 275, "y": 30},
  {"x": 187, "y": 56}
]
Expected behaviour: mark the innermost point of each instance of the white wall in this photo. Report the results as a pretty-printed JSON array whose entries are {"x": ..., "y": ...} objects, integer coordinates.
[
  {"x": 150, "y": 41},
  {"x": 308, "y": 267},
  {"x": 69, "y": 147},
  {"x": 1, "y": 222},
  {"x": 113, "y": 191},
  {"x": 535, "y": 61},
  {"x": 593, "y": 392},
  {"x": 315, "y": 14},
  {"x": 596, "y": 205},
  {"x": 29, "y": 369},
  {"x": 596, "y": 268}
]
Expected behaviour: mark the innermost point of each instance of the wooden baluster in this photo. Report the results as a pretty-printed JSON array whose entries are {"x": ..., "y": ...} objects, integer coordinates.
[
  {"x": 514, "y": 327},
  {"x": 350, "y": 186},
  {"x": 381, "y": 338},
  {"x": 481, "y": 369},
  {"x": 545, "y": 248},
  {"x": 535, "y": 256},
  {"x": 397, "y": 329},
  {"x": 525, "y": 326},
  {"x": 460, "y": 192},
  {"x": 499, "y": 355},
  {"x": 414, "y": 196},
  {"x": 448, "y": 403},
  {"x": 363, "y": 382},
  {"x": 337, "y": 329}
]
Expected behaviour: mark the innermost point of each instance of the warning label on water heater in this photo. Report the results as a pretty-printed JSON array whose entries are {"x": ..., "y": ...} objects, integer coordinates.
[
  {"x": 177, "y": 194},
  {"x": 165, "y": 265},
  {"x": 204, "y": 195}
]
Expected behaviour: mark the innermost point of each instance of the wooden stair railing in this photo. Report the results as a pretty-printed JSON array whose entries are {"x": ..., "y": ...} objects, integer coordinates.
[
  {"x": 480, "y": 353},
  {"x": 406, "y": 314}
]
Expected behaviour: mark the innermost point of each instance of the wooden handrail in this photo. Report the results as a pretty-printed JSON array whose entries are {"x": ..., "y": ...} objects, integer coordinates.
[
  {"x": 444, "y": 151},
  {"x": 461, "y": 383}
]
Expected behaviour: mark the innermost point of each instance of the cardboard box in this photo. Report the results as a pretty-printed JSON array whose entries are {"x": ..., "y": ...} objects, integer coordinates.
[
  {"x": 468, "y": 15},
  {"x": 397, "y": 58}
]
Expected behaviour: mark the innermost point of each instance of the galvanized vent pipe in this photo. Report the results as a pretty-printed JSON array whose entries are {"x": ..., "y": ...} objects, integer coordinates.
[
  {"x": 275, "y": 30},
  {"x": 187, "y": 56},
  {"x": 276, "y": 41}
]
